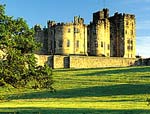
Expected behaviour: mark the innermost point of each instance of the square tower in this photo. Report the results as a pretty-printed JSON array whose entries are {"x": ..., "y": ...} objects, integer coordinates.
[
  {"x": 99, "y": 34},
  {"x": 123, "y": 35}
]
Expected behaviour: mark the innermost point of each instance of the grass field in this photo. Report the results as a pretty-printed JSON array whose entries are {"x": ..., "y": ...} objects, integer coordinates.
[{"x": 85, "y": 91}]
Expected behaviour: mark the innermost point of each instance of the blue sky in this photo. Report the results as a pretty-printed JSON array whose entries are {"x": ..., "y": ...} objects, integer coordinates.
[{"x": 39, "y": 11}]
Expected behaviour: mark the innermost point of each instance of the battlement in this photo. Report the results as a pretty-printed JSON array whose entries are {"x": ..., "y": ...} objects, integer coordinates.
[
  {"x": 51, "y": 23},
  {"x": 100, "y": 15},
  {"x": 129, "y": 16},
  {"x": 77, "y": 21},
  {"x": 109, "y": 36},
  {"x": 123, "y": 15},
  {"x": 37, "y": 27}
]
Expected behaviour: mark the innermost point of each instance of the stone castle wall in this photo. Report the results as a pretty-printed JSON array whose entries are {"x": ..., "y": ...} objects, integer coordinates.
[
  {"x": 123, "y": 35},
  {"x": 42, "y": 59},
  {"x": 109, "y": 36},
  {"x": 58, "y": 61},
  {"x": 96, "y": 62}
]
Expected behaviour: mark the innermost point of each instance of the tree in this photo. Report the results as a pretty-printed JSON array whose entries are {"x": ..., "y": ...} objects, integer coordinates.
[{"x": 18, "y": 65}]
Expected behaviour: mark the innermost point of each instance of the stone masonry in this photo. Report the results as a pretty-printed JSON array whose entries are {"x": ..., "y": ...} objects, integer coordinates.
[
  {"x": 99, "y": 34},
  {"x": 123, "y": 35},
  {"x": 105, "y": 36}
]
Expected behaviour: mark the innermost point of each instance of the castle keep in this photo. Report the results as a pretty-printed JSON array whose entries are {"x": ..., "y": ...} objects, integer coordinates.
[
  {"x": 105, "y": 36},
  {"x": 99, "y": 34},
  {"x": 122, "y": 35},
  {"x": 63, "y": 38}
]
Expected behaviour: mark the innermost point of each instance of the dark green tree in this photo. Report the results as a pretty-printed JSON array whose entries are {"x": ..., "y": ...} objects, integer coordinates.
[{"x": 18, "y": 64}]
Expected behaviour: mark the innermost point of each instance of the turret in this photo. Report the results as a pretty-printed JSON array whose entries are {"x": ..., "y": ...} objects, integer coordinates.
[
  {"x": 78, "y": 20},
  {"x": 37, "y": 28},
  {"x": 50, "y": 23},
  {"x": 100, "y": 15}
]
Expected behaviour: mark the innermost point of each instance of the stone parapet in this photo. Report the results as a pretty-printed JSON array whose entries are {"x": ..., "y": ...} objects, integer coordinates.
[
  {"x": 96, "y": 62},
  {"x": 59, "y": 61}
]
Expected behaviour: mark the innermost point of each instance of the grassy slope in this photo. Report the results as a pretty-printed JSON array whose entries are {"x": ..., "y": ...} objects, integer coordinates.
[{"x": 87, "y": 91}]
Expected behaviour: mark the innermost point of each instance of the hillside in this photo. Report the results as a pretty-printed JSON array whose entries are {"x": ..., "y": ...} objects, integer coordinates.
[{"x": 86, "y": 91}]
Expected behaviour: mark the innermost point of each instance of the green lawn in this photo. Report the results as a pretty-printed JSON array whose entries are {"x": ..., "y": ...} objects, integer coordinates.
[{"x": 85, "y": 91}]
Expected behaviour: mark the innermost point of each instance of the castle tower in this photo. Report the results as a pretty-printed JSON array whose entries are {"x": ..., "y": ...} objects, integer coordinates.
[
  {"x": 64, "y": 39},
  {"x": 42, "y": 37},
  {"x": 67, "y": 38},
  {"x": 51, "y": 37},
  {"x": 105, "y": 36},
  {"x": 80, "y": 36},
  {"x": 123, "y": 35},
  {"x": 99, "y": 34}
]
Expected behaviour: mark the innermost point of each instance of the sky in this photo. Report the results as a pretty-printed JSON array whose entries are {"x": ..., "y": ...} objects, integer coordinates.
[{"x": 40, "y": 11}]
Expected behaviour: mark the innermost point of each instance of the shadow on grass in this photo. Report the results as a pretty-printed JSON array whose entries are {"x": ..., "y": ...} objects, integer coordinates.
[
  {"x": 145, "y": 77},
  {"x": 81, "y": 69},
  {"x": 41, "y": 110},
  {"x": 117, "y": 71},
  {"x": 96, "y": 91}
]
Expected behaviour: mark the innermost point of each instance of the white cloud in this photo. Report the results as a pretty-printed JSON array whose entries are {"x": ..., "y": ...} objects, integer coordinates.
[{"x": 143, "y": 46}]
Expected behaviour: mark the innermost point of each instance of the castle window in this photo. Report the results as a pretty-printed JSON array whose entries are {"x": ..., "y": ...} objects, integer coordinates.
[
  {"x": 88, "y": 44},
  {"x": 69, "y": 30},
  {"x": 88, "y": 32},
  {"x": 131, "y": 42},
  {"x": 128, "y": 41},
  {"x": 77, "y": 44},
  {"x": 108, "y": 47},
  {"x": 54, "y": 44},
  {"x": 128, "y": 47},
  {"x": 76, "y": 30},
  {"x": 102, "y": 44},
  {"x": 60, "y": 43},
  {"x": 131, "y": 47},
  {"x": 96, "y": 43},
  {"x": 68, "y": 43},
  {"x": 131, "y": 32},
  {"x": 132, "y": 25}
]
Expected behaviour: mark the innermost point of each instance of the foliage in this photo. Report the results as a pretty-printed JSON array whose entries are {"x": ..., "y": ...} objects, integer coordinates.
[{"x": 18, "y": 65}]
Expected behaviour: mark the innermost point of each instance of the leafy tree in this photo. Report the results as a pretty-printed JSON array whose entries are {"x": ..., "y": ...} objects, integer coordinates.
[{"x": 18, "y": 64}]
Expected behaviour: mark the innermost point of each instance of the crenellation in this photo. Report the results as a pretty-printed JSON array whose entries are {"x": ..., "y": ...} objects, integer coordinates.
[
  {"x": 51, "y": 24},
  {"x": 78, "y": 20},
  {"x": 99, "y": 38},
  {"x": 37, "y": 28},
  {"x": 107, "y": 36}
]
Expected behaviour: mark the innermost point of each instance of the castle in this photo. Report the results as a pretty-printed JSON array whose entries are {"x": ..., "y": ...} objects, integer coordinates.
[{"x": 105, "y": 36}]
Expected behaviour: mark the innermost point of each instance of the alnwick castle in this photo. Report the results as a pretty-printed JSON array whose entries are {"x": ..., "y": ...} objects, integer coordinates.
[
  {"x": 107, "y": 41},
  {"x": 107, "y": 36}
]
